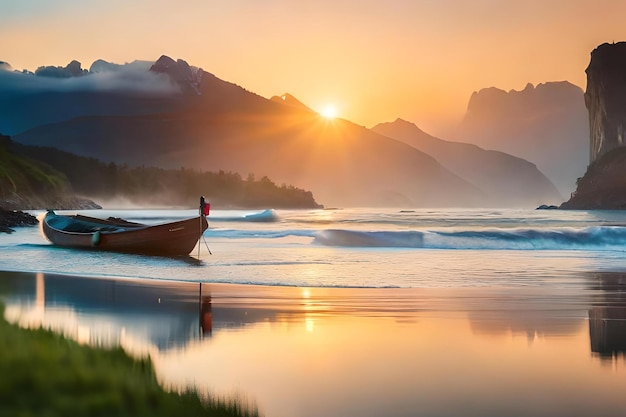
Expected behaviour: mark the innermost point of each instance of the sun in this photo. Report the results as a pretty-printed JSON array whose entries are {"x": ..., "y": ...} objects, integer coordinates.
[{"x": 329, "y": 111}]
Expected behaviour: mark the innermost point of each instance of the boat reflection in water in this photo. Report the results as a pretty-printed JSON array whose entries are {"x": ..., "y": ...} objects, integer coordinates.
[
  {"x": 206, "y": 314},
  {"x": 139, "y": 316}
]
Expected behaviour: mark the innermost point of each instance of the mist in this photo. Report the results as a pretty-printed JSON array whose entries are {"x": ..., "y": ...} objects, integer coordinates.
[{"x": 126, "y": 78}]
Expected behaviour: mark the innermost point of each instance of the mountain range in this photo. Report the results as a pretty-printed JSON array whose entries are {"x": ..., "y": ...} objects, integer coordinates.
[
  {"x": 547, "y": 124},
  {"x": 173, "y": 115},
  {"x": 514, "y": 180}
]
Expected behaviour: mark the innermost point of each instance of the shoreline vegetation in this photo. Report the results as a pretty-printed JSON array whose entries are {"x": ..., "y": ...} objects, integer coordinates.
[
  {"x": 34, "y": 177},
  {"x": 45, "y": 373}
]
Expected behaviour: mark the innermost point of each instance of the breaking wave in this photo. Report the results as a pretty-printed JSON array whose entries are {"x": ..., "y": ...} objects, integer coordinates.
[
  {"x": 265, "y": 216},
  {"x": 370, "y": 239},
  {"x": 590, "y": 238},
  {"x": 601, "y": 237}
]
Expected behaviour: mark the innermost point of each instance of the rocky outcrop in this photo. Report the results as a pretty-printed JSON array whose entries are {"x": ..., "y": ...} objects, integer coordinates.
[
  {"x": 11, "y": 218},
  {"x": 605, "y": 98},
  {"x": 603, "y": 187}
]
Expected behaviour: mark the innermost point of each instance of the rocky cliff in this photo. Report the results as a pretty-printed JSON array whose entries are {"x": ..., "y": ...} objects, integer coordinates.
[
  {"x": 605, "y": 98},
  {"x": 604, "y": 185}
]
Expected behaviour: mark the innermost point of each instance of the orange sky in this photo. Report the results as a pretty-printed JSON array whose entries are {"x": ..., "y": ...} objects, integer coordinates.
[{"x": 374, "y": 60}]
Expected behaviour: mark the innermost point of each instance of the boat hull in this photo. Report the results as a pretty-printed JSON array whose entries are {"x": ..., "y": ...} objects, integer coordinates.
[{"x": 170, "y": 239}]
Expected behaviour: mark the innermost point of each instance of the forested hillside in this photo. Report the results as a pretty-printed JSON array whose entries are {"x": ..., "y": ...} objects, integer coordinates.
[
  {"x": 156, "y": 186},
  {"x": 27, "y": 183}
]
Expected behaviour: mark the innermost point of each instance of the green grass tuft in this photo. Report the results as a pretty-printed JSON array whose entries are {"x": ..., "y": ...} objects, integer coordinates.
[{"x": 45, "y": 374}]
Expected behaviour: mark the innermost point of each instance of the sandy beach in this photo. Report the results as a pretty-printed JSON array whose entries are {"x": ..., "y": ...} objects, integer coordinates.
[{"x": 342, "y": 351}]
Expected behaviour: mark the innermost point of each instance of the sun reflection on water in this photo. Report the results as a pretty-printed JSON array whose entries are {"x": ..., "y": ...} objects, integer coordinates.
[{"x": 432, "y": 351}]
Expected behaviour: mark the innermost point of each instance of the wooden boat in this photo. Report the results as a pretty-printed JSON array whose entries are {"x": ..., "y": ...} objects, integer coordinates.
[{"x": 118, "y": 235}]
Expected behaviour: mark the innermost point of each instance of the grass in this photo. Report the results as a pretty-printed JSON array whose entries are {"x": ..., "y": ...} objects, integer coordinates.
[
  {"x": 26, "y": 176},
  {"x": 44, "y": 374}
]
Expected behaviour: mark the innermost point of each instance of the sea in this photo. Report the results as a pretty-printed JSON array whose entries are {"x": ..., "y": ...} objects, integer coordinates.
[
  {"x": 370, "y": 248},
  {"x": 356, "y": 311}
]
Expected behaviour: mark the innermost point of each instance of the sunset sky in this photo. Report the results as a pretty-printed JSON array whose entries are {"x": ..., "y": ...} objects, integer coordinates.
[{"x": 373, "y": 60}]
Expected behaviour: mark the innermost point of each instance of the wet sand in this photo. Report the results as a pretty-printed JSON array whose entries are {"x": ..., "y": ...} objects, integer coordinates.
[{"x": 354, "y": 351}]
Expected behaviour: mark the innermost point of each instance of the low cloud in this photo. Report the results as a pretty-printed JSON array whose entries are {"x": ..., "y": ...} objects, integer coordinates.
[{"x": 130, "y": 78}]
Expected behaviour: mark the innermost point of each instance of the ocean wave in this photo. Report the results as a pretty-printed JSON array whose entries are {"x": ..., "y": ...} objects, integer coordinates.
[
  {"x": 262, "y": 234},
  {"x": 336, "y": 237},
  {"x": 596, "y": 237},
  {"x": 265, "y": 216}
]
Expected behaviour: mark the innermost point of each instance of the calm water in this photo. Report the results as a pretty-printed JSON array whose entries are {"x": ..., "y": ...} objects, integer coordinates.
[{"x": 357, "y": 312}]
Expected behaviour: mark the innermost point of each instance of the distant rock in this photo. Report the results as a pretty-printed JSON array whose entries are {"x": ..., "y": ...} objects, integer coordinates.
[
  {"x": 547, "y": 207},
  {"x": 605, "y": 98}
]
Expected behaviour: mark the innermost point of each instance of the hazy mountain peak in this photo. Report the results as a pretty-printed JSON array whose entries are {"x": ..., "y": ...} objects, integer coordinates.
[
  {"x": 529, "y": 87},
  {"x": 164, "y": 63},
  {"x": 180, "y": 72},
  {"x": 5, "y": 66},
  {"x": 405, "y": 123},
  {"x": 506, "y": 180},
  {"x": 73, "y": 69},
  {"x": 546, "y": 124},
  {"x": 492, "y": 99},
  {"x": 290, "y": 100},
  {"x": 100, "y": 66},
  {"x": 401, "y": 127},
  {"x": 401, "y": 123}
]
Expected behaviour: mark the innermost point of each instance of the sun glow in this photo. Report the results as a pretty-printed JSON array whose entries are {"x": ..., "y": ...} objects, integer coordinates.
[{"x": 329, "y": 111}]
